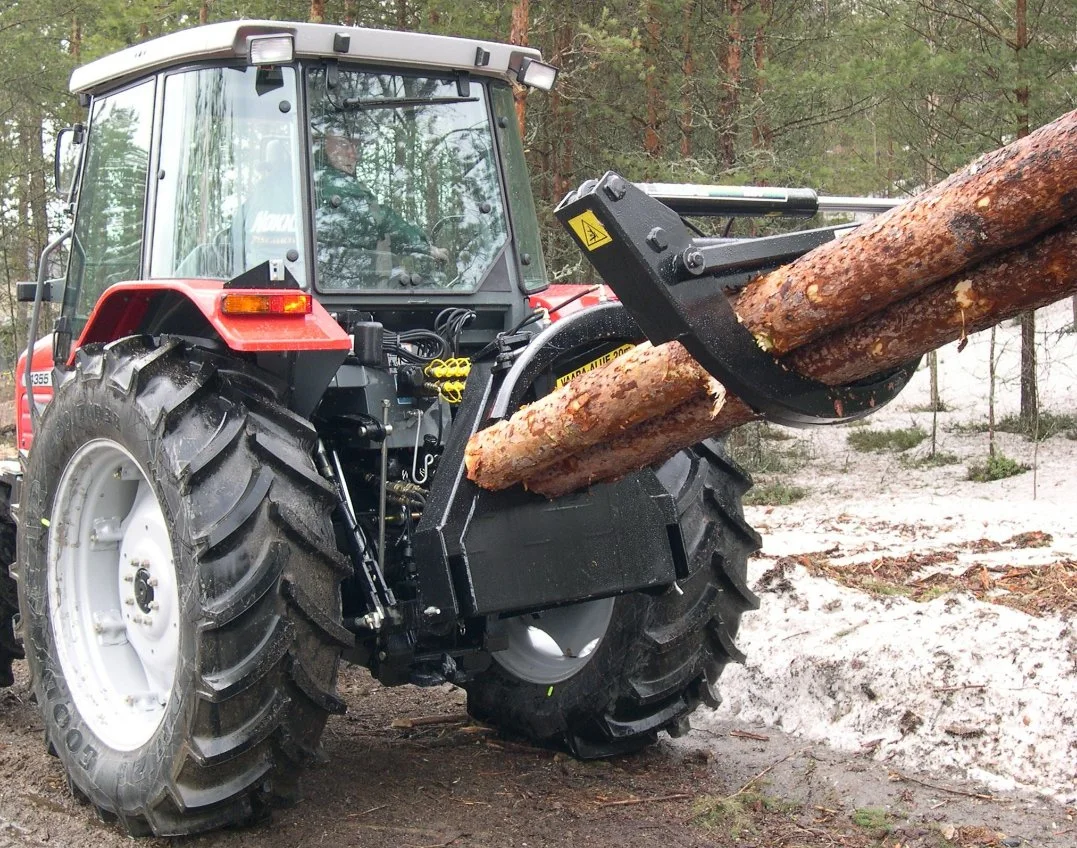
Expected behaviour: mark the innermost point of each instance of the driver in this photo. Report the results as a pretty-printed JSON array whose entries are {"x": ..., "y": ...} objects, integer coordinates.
[{"x": 357, "y": 235}]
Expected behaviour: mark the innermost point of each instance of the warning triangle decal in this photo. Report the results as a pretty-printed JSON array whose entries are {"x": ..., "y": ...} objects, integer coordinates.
[{"x": 589, "y": 230}]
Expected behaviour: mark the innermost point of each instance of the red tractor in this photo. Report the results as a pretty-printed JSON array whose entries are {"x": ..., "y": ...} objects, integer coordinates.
[{"x": 304, "y": 266}]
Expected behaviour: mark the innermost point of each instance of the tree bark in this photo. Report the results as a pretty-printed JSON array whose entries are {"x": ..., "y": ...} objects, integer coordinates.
[{"x": 945, "y": 312}]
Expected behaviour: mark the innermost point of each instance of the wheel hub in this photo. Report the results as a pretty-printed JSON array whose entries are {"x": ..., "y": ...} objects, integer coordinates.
[
  {"x": 552, "y": 645},
  {"x": 143, "y": 590},
  {"x": 113, "y": 597}
]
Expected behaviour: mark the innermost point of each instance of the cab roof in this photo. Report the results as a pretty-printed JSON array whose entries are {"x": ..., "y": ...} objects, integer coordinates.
[{"x": 230, "y": 42}]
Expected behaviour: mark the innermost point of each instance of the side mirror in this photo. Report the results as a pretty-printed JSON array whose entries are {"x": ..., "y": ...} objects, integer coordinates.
[{"x": 66, "y": 160}]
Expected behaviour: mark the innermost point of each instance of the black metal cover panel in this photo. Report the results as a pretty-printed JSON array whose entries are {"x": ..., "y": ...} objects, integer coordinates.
[{"x": 525, "y": 551}]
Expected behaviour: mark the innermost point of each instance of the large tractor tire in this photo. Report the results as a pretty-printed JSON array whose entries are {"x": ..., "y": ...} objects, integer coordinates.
[
  {"x": 180, "y": 588},
  {"x": 603, "y": 677},
  {"x": 10, "y": 648}
]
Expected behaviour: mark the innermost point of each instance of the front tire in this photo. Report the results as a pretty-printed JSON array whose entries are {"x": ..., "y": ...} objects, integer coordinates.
[
  {"x": 642, "y": 662},
  {"x": 180, "y": 588}
]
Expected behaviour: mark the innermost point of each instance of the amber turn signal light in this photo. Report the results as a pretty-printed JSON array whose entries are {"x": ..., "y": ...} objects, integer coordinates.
[{"x": 291, "y": 303}]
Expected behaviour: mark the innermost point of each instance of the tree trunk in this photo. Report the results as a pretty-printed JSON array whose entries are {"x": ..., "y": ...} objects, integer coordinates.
[
  {"x": 652, "y": 141},
  {"x": 948, "y": 311},
  {"x": 317, "y": 11},
  {"x": 521, "y": 18},
  {"x": 688, "y": 72},
  {"x": 1006, "y": 198},
  {"x": 1030, "y": 404},
  {"x": 761, "y": 132},
  {"x": 731, "y": 66}
]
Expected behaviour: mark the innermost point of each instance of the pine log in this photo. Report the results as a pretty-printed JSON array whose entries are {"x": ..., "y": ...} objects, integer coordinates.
[
  {"x": 1003, "y": 199},
  {"x": 1006, "y": 198},
  {"x": 586, "y": 411},
  {"x": 1022, "y": 279}
]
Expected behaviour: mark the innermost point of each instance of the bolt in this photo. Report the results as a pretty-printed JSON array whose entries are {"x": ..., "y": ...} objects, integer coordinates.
[
  {"x": 129, "y": 601},
  {"x": 152, "y": 581},
  {"x": 694, "y": 260},
  {"x": 657, "y": 240},
  {"x": 129, "y": 700},
  {"x": 137, "y": 619},
  {"x": 128, "y": 578},
  {"x": 431, "y": 611},
  {"x": 615, "y": 188},
  {"x": 382, "y": 656},
  {"x": 155, "y": 606}
]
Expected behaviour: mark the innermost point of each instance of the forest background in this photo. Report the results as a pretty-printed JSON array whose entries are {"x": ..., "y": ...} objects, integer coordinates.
[{"x": 872, "y": 97}]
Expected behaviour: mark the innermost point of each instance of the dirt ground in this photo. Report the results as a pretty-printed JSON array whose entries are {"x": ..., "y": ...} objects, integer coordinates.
[
  {"x": 456, "y": 784},
  {"x": 812, "y": 748}
]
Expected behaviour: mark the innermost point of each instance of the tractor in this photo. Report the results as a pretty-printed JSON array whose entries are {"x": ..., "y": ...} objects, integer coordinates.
[{"x": 303, "y": 267}]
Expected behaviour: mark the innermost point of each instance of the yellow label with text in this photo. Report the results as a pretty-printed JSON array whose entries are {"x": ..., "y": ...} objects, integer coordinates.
[
  {"x": 589, "y": 230},
  {"x": 593, "y": 364}
]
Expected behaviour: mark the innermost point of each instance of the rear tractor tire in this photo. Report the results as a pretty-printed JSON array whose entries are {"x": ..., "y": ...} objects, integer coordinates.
[
  {"x": 603, "y": 677},
  {"x": 179, "y": 588}
]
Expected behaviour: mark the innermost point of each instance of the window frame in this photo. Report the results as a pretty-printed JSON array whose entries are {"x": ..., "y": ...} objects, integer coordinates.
[
  {"x": 497, "y": 260},
  {"x": 72, "y": 296}
]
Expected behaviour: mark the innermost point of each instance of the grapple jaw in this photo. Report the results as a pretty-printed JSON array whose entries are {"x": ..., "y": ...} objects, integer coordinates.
[{"x": 676, "y": 286}]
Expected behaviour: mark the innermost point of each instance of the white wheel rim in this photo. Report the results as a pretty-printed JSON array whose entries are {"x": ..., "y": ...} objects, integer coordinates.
[
  {"x": 113, "y": 601},
  {"x": 552, "y": 645}
]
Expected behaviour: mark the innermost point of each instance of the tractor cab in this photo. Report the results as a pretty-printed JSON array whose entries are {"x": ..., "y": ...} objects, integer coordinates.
[{"x": 377, "y": 170}]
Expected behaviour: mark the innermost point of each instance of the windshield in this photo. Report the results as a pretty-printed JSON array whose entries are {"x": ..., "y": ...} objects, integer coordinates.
[
  {"x": 228, "y": 185},
  {"x": 406, "y": 192}
]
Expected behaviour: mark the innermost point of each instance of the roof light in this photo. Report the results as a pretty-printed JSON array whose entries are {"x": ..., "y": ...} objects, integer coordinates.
[
  {"x": 285, "y": 303},
  {"x": 270, "y": 50},
  {"x": 536, "y": 74}
]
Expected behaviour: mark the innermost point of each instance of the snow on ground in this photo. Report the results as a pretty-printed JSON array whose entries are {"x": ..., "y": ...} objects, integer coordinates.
[{"x": 956, "y": 685}]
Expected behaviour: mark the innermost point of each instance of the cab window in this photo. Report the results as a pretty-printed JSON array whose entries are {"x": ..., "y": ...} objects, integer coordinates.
[{"x": 107, "y": 243}]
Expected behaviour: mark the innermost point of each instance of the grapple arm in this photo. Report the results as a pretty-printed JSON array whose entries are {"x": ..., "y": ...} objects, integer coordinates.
[{"x": 676, "y": 287}]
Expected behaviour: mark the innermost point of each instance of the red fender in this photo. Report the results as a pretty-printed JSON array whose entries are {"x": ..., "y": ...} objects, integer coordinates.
[
  {"x": 122, "y": 308},
  {"x": 554, "y": 295}
]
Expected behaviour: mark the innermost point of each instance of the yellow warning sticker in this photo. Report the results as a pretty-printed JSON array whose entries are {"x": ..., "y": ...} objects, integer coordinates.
[
  {"x": 593, "y": 364},
  {"x": 589, "y": 230}
]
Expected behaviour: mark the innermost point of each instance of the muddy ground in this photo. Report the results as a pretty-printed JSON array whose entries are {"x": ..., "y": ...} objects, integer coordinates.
[{"x": 457, "y": 784}]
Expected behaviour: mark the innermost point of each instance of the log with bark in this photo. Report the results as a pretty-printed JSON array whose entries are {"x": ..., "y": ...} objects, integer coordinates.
[{"x": 960, "y": 257}]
